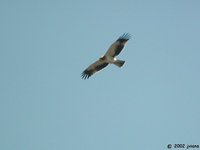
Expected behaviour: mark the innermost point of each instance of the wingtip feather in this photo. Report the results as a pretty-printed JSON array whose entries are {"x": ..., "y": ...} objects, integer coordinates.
[
  {"x": 125, "y": 36},
  {"x": 86, "y": 74}
]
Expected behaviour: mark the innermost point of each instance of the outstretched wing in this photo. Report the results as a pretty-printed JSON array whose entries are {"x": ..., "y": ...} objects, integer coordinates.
[
  {"x": 93, "y": 68},
  {"x": 118, "y": 45}
]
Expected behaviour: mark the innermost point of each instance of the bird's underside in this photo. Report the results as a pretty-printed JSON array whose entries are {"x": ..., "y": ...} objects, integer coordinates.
[{"x": 109, "y": 57}]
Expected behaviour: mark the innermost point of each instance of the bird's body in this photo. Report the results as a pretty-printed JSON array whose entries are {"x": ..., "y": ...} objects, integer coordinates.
[{"x": 108, "y": 58}]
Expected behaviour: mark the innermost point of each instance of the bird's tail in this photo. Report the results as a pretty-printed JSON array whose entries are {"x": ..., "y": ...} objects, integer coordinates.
[{"x": 119, "y": 63}]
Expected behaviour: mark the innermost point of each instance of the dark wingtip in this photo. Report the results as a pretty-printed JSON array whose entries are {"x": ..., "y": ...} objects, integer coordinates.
[
  {"x": 125, "y": 37},
  {"x": 85, "y": 74}
]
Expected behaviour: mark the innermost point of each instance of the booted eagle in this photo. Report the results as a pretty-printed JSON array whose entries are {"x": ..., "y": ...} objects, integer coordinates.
[{"x": 108, "y": 58}]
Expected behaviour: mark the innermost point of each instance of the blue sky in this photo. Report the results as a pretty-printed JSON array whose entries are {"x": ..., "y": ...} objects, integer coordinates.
[{"x": 152, "y": 101}]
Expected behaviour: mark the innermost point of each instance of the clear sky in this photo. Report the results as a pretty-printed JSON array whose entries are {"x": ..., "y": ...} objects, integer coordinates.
[{"x": 152, "y": 101}]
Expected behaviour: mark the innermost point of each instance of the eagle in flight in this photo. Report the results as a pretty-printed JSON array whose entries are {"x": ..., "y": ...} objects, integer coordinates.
[{"x": 109, "y": 57}]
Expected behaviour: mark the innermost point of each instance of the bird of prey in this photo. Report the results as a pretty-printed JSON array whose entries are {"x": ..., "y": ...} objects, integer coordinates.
[{"x": 109, "y": 57}]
